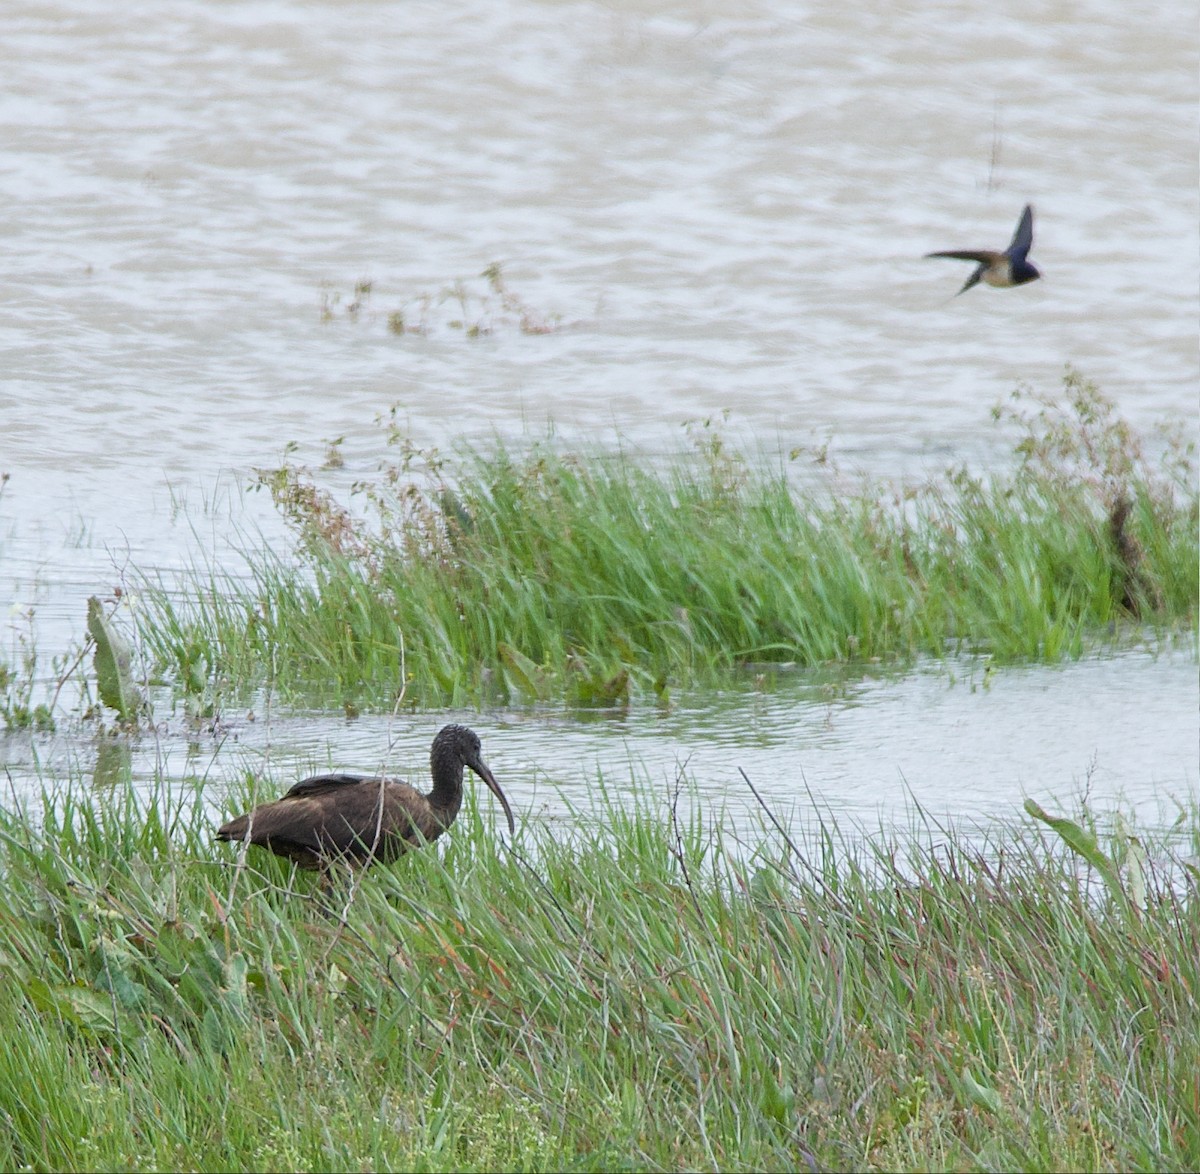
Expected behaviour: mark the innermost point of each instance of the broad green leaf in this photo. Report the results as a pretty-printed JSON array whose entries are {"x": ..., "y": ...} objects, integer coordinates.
[
  {"x": 1134, "y": 860},
  {"x": 530, "y": 679},
  {"x": 981, "y": 1094},
  {"x": 1083, "y": 843},
  {"x": 113, "y": 661},
  {"x": 79, "y": 1005}
]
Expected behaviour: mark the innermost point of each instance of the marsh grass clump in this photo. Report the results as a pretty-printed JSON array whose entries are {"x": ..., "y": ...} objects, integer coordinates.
[
  {"x": 648, "y": 991},
  {"x": 591, "y": 579}
]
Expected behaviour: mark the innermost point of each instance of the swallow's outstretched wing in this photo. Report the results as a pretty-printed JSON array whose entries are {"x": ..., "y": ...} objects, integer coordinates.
[{"x": 1022, "y": 240}]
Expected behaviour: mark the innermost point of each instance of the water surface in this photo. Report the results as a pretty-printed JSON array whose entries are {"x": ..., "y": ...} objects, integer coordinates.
[
  {"x": 860, "y": 751},
  {"x": 710, "y": 210}
]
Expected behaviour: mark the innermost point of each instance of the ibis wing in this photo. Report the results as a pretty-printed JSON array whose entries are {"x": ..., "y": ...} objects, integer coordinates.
[
  {"x": 281, "y": 827},
  {"x": 324, "y": 785}
]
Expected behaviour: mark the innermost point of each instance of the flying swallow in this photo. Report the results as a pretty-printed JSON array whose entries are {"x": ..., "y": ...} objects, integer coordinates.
[{"x": 1002, "y": 269}]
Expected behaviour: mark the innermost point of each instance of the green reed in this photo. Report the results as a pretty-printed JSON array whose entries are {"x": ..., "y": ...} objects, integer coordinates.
[
  {"x": 651, "y": 990},
  {"x": 541, "y": 574}
]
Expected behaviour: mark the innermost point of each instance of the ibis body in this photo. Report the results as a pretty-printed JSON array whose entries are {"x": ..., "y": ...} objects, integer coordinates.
[{"x": 359, "y": 819}]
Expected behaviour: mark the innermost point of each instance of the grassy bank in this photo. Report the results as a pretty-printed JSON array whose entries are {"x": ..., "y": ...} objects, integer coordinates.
[
  {"x": 641, "y": 997},
  {"x": 505, "y": 576}
]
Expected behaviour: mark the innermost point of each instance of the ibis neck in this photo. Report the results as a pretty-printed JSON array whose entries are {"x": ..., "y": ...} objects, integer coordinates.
[{"x": 447, "y": 788}]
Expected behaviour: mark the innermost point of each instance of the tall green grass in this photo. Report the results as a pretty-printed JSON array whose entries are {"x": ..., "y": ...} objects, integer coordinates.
[
  {"x": 543, "y": 574},
  {"x": 646, "y": 992}
]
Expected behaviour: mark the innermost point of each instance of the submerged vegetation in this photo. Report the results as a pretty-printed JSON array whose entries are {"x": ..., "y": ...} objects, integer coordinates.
[
  {"x": 482, "y": 306},
  {"x": 641, "y": 993},
  {"x": 18, "y": 679},
  {"x": 506, "y": 576},
  {"x": 113, "y": 674}
]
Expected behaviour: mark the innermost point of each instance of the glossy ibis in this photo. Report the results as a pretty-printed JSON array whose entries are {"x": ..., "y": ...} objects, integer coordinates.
[{"x": 358, "y": 819}]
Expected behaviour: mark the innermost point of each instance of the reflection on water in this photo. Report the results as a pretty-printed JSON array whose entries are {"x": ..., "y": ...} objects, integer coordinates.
[{"x": 959, "y": 741}]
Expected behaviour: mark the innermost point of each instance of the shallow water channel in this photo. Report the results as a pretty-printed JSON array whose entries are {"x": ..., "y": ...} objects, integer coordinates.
[{"x": 862, "y": 751}]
